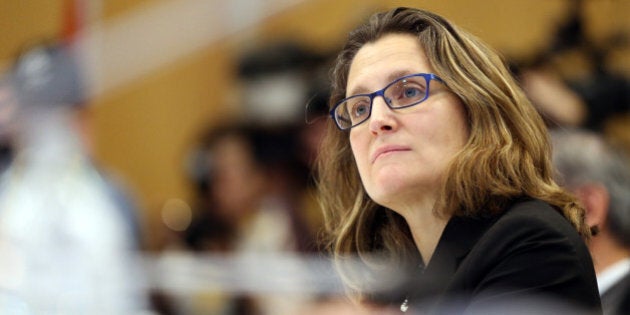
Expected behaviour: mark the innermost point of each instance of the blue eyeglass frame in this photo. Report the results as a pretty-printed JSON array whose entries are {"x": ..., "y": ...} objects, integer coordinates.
[{"x": 427, "y": 76}]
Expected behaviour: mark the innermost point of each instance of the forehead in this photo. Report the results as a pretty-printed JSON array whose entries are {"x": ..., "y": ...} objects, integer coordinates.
[{"x": 384, "y": 60}]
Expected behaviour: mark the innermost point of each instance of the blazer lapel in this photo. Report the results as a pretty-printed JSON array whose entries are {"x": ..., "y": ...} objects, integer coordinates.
[{"x": 459, "y": 237}]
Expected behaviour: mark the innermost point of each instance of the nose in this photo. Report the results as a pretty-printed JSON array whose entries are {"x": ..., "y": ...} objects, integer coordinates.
[{"x": 382, "y": 117}]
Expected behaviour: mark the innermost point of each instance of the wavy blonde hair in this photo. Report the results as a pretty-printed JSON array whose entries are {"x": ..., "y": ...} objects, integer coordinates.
[{"x": 507, "y": 155}]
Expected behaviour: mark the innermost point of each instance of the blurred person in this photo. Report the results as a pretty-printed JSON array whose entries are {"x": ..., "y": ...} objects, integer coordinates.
[
  {"x": 571, "y": 80},
  {"x": 67, "y": 241},
  {"x": 277, "y": 80},
  {"x": 599, "y": 175},
  {"x": 240, "y": 187},
  {"x": 557, "y": 103},
  {"x": 8, "y": 107},
  {"x": 436, "y": 163},
  {"x": 249, "y": 183}
]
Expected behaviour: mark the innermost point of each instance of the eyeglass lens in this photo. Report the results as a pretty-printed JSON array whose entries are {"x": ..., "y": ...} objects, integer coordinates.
[{"x": 403, "y": 92}]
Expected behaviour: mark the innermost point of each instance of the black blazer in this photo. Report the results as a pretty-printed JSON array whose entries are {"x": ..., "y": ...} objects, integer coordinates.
[
  {"x": 528, "y": 260},
  {"x": 616, "y": 300}
]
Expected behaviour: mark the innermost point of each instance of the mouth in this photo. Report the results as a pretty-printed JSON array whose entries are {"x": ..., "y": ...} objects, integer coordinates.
[{"x": 387, "y": 150}]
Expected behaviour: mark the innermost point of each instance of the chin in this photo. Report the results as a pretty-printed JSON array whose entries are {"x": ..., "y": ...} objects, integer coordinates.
[
  {"x": 385, "y": 196},
  {"x": 392, "y": 192}
]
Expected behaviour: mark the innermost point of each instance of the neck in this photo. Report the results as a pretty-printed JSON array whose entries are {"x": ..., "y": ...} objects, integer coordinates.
[
  {"x": 426, "y": 228},
  {"x": 606, "y": 251}
]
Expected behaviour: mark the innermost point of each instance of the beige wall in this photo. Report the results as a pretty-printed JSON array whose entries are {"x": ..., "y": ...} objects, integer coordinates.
[{"x": 141, "y": 130}]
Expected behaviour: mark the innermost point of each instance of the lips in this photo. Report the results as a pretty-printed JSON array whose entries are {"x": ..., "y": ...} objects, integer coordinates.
[{"x": 386, "y": 150}]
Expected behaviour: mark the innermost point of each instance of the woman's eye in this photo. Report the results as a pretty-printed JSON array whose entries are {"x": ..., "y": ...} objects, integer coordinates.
[
  {"x": 410, "y": 92},
  {"x": 406, "y": 92},
  {"x": 359, "y": 110}
]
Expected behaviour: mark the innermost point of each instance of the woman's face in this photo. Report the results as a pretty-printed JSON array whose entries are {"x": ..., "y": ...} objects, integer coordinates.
[{"x": 402, "y": 154}]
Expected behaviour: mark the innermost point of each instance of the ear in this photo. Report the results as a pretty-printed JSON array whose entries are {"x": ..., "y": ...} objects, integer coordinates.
[{"x": 594, "y": 197}]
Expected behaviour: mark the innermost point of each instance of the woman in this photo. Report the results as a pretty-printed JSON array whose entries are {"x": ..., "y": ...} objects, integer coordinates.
[{"x": 442, "y": 168}]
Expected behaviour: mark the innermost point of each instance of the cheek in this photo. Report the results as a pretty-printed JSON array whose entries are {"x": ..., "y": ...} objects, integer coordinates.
[
  {"x": 359, "y": 151},
  {"x": 449, "y": 128}
]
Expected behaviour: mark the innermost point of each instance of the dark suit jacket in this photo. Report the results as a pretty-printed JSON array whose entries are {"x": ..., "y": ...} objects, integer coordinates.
[
  {"x": 616, "y": 300},
  {"x": 528, "y": 260}
]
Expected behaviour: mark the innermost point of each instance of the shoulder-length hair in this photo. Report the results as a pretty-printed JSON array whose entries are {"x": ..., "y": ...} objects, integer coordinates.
[{"x": 507, "y": 155}]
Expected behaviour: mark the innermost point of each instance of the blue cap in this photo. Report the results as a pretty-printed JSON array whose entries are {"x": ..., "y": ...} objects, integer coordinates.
[{"x": 47, "y": 74}]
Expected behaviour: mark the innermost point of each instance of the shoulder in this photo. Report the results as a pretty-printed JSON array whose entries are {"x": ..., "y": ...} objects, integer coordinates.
[
  {"x": 530, "y": 238},
  {"x": 534, "y": 227},
  {"x": 530, "y": 227},
  {"x": 530, "y": 249},
  {"x": 528, "y": 234},
  {"x": 533, "y": 217},
  {"x": 531, "y": 209}
]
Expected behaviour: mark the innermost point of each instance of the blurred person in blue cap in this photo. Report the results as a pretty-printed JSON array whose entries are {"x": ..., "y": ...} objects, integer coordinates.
[
  {"x": 7, "y": 109},
  {"x": 66, "y": 238}
]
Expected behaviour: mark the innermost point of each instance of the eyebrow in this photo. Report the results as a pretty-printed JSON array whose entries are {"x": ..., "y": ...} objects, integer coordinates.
[{"x": 391, "y": 77}]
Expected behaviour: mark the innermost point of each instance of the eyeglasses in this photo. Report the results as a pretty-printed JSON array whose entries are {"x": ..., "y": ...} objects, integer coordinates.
[{"x": 403, "y": 92}]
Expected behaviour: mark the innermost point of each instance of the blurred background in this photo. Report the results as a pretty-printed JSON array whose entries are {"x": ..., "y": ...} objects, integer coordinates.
[{"x": 195, "y": 111}]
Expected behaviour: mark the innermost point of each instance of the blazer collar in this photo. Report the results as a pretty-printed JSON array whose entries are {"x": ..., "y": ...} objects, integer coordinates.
[{"x": 459, "y": 237}]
